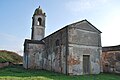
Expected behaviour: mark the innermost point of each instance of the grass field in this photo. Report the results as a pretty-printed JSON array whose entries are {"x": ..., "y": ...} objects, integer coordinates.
[
  {"x": 8, "y": 56},
  {"x": 19, "y": 73}
]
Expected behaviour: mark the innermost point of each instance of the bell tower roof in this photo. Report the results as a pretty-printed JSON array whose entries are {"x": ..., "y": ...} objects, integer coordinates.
[{"x": 39, "y": 11}]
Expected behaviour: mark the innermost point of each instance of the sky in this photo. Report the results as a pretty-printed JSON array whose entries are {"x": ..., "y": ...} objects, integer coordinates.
[{"x": 16, "y": 19}]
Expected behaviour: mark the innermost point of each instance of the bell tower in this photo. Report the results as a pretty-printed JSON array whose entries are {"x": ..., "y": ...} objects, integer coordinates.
[{"x": 38, "y": 24}]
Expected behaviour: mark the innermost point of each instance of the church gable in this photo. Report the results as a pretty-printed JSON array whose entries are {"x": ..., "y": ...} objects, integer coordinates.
[
  {"x": 85, "y": 25},
  {"x": 64, "y": 51}
]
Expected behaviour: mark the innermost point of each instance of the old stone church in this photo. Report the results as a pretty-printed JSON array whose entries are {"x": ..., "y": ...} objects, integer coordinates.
[{"x": 74, "y": 50}]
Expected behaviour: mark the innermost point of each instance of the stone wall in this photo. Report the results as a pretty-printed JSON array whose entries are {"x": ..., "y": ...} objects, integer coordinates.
[
  {"x": 83, "y": 37},
  {"x": 49, "y": 56},
  {"x": 54, "y": 58},
  {"x": 111, "y": 61},
  {"x": 32, "y": 54},
  {"x": 86, "y": 43}
]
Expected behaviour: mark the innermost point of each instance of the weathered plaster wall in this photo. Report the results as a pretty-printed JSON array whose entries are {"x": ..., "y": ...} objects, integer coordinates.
[
  {"x": 75, "y": 59},
  {"x": 38, "y": 32},
  {"x": 54, "y": 58},
  {"x": 111, "y": 61},
  {"x": 83, "y": 37},
  {"x": 33, "y": 54},
  {"x": 49, "y": 56},
  {"x": 82, "y": 42}
]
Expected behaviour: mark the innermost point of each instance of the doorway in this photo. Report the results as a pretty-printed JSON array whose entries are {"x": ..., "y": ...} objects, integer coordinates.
[{"x": 86, "y": 64}]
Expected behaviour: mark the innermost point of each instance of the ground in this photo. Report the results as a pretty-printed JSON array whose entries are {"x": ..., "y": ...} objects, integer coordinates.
[{"x": 18, "y": 73}]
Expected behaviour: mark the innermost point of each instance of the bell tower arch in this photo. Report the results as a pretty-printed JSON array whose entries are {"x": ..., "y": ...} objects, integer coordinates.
[{"x": 38, "y": 24}]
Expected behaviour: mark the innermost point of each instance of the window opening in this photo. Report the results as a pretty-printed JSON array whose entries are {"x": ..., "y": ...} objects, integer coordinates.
[{"x": 39, "y": 21}]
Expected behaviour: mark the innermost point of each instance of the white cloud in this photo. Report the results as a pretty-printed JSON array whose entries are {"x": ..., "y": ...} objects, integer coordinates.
[{"x": 79, "y": 5}]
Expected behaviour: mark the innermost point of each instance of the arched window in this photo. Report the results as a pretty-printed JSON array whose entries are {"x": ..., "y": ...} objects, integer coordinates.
[{"x": 39, "y": 21}]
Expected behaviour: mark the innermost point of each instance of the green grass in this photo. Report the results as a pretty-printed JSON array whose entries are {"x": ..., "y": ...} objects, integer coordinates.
[
  {"x": 8, "y": 56},
  {"x": 19, "y": 73}
]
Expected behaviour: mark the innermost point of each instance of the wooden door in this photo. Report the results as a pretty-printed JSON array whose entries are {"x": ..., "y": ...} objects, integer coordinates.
[{"x": 86, "y": 64}]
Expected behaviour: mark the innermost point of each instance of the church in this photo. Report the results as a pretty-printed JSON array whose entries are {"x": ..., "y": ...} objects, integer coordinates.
[{"x": 73, "y": 50}]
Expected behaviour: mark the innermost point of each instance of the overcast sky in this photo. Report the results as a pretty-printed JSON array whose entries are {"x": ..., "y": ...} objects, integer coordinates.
[{"x": 16, "y": 16}]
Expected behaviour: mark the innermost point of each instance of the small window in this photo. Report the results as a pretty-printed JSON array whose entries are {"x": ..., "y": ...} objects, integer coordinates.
[
  {"x": 39, "y": 21},
  {"x": 57, "y": 42}
]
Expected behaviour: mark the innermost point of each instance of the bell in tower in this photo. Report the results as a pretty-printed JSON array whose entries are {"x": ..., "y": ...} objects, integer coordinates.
[{"x": 38, "y": 24}]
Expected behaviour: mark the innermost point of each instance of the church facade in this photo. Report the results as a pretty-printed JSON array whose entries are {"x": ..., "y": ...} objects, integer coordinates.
[{"x": 74, "y": 50}]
